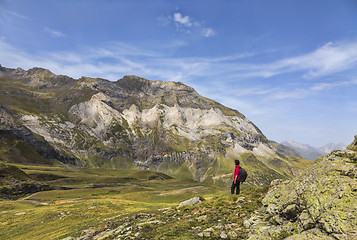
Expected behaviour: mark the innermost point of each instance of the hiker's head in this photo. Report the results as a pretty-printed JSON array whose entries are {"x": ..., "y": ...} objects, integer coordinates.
[{"x": 236, "y": 162}]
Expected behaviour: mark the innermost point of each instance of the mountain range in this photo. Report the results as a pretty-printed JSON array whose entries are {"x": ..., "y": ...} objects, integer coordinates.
[
  {"x": 312, "y": 153},
  {"x": 132, "y": 123}
]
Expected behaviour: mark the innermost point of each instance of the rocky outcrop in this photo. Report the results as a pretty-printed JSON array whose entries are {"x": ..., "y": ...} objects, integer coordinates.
[
  {"x": 319, "y": 204},
  {"x": 9, "y": 126},
  {"x": 353, "y": 145}
]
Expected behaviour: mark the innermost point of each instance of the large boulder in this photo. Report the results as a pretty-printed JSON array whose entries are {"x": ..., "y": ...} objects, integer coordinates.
[
  {"x": 319, "y": 204},
  {"x": 190, "y": 202}
]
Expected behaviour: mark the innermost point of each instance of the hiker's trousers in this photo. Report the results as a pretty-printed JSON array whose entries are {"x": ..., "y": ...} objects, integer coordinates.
[{"x": 235, "y": 186}]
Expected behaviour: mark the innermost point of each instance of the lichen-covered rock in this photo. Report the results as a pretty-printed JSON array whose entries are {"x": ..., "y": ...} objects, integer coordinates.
[
  {"x": 319, "y": 204},
  {"x": 312, "y": 234},
  {"x": 223, "y": 235}
]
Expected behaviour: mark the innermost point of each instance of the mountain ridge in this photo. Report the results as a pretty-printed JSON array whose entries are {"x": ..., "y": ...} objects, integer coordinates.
[
  {"x": 139, "y": 123},
  {"x": 312, "y": 153}
]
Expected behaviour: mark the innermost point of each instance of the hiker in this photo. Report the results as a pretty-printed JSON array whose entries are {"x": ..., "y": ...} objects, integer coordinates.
[{"x": 236, "y": 182}]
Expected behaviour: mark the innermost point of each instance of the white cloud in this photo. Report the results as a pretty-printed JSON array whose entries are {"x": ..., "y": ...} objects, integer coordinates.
[
  {"x": 208, "y": 32},
  {"x": 54, "y": 33},
  {"x": 186, "y": 21},
  {"x": 299, "y": 93},
  {"x": 186, "y": 24}
]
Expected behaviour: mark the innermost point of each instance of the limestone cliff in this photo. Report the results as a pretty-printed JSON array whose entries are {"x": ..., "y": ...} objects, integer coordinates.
[
  {"x": 137, "y": 123},
  {"x": 319, "y": 204}
]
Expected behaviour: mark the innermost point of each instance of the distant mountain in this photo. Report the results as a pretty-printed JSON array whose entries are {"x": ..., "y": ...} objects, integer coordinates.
[
  {"x": 284, "y": 149},
  {"x": 332, "y": 146},
  {"x": 131, "y": 123},
  {"x": 312, "y": 153}
]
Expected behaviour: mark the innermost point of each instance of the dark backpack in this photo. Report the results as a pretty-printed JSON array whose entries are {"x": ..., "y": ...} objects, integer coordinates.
[{"x": 243, "y": 175}]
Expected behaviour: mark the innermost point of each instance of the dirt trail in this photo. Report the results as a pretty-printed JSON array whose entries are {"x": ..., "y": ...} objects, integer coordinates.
[{"x": 34, "y": 201}]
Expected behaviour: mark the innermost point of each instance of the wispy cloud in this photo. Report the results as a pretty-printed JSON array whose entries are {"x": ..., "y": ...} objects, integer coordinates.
[
  {"x": 208, "y": 32},
  {"x": 11, "y": 17},
  {"x": 251, "y": 91},
  {"x": 164, "y": 21},
  {"x": 118, "y": 49},
  {"x": 54, "y": 33},
  {"x": 328, "y": 59},
  {"x": 299, "y": 93},
  {"x": 15, "y": 14},
  {"x": 332, "y": 85}
]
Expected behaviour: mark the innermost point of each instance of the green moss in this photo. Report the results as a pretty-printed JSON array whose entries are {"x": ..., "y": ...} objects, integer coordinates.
[
  {"x": 154, "y": 135},
  {"x": 280, "y": 235},
  {"x": 178, "y": 148},
  {"x": 183, "y": 172},
  {"x": 138, "y": 132},
  {"x": 231, "y": 113},
  {"x": 125, "y": 123}
]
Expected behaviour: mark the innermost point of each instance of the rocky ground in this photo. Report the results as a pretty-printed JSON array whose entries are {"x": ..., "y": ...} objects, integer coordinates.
[
  {"x": 319, "y": 204},
  {"x": 220, "y": 217}
]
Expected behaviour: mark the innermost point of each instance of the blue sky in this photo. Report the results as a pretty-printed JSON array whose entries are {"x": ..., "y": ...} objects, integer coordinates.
[{"x": 289, "y": 66}]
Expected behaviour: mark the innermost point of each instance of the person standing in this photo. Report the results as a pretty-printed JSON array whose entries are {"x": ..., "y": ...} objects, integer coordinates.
[{"x": 236, "y": 182}]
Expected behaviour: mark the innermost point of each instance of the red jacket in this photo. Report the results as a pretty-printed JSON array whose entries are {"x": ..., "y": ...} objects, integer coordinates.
[{"x": 237, "y": 173}]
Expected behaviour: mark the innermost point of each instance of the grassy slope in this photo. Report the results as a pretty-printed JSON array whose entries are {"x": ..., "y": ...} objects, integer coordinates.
[
  {"x": 220, "y": 212},
  {"x": 15, "y": 151},
  {"x": 98, "y": 195}
]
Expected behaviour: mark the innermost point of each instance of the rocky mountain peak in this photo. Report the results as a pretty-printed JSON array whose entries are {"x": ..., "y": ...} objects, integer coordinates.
[
  {"x": 35, "y": 75},
  {"x": 40, "y": 72},
  {"x": 135, "y": 83}
]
